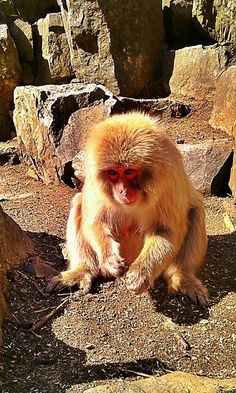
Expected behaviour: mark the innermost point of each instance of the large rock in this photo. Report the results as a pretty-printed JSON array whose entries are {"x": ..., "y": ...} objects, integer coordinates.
[
  {"x": 8, "y": 7},
  {"x": 176, "y": 382},
  {"x": 75, "y": 132},
  {"x": 22, "y": 34},
  {"x": 224, "y": 112},
  {"x": 193, "y": 71},
  {"x": 204, "y": 161},
  {"x": 232, "y": 181},
  {"x": 118, "y": 44},
  {"x": 9, "y": 152},
  {"x": 53, "y": 53},
  {"x": 15, "y": 247},
  {"x": 10, "y": 76},
  {"x": 179, "y": 25},
  {"x": 216, "y": 19},
  {"x": 29, "y": 10},
  {"x": 43, "y": 119}
]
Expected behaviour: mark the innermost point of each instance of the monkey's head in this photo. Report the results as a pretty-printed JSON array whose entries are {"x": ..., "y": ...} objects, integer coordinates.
[{"x": 125, "y": 154}]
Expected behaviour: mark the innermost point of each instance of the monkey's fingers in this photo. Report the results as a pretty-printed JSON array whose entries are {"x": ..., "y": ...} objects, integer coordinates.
[
  {"x": 69, "y": 279},
  {"x": 55, "y": 285},
  {"x": 137, "y": 282},
  {"x": 114, "y": 266},
  {"x": 195, "y": 292},
  {"x": 200, "y": 300}
]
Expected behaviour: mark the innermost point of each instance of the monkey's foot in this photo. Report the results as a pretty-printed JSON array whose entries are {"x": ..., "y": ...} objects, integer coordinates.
[
  {"x": 114, "y": 266},
  {"x": 137, "y": 280},
  {"x": 70, "y": 278},
  {"x": 193, "y": 289}
]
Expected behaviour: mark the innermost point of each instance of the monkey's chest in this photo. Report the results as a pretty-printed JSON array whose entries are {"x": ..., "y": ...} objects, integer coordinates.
[
  {"x": 131, "y": 243},
  {"x": 126, "y": 232}
]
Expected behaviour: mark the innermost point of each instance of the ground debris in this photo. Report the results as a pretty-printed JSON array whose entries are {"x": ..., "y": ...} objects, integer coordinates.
[{"x": 150, "y": 334}]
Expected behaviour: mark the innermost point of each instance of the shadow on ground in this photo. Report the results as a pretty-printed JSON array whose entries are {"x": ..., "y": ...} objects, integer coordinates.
[
  {"x": 42, "y": 362},
  {"x": 218, "y": 275}
]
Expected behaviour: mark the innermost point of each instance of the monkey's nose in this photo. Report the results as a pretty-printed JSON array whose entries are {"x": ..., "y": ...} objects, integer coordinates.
[{"x": 123, "y": 191}]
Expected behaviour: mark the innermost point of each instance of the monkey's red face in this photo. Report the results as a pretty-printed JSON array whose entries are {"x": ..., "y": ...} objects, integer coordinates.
[{"x": 125, "y": 183}]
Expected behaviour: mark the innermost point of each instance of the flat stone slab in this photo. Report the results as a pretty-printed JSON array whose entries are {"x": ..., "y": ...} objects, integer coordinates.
[{"x": 176, "y": 382}]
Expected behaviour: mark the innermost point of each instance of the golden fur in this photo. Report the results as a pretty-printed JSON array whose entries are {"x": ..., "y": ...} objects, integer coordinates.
[{"x": 163, "y": 233}]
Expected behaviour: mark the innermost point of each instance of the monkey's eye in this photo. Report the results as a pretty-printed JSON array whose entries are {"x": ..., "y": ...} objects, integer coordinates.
[
  {"x": 130, "y": 172},
  {"x": 113, "y": 175}
]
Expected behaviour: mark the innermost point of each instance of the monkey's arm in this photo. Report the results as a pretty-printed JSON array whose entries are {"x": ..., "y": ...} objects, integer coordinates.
[
  {"x": 150, "y": 263},
  {"x": 83, "y": 266},
  {"x": 106, "y": 248}
]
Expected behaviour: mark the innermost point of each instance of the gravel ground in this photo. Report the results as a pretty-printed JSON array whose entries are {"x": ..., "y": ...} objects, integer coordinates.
[{"x": 111, "y": 333}]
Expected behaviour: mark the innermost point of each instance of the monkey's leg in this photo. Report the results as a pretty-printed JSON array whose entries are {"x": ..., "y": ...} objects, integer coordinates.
[
  {"x": 149, "y": 264},
  {"x": 187, "y": 284},
  {"x": 181, "y": 274},
  {"x": 107, "y": 249},
  {"x": 82, "y": 270},
  {"x": 83, "y": 265},
  {"x": 80, "y": 276}
]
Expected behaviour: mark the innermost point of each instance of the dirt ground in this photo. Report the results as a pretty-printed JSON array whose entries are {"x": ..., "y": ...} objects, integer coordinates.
[{"x": 111, "y": 333}]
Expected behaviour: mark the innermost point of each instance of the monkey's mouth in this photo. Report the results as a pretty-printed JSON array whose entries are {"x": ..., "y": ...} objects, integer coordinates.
[{"x": 128, "y": 199}]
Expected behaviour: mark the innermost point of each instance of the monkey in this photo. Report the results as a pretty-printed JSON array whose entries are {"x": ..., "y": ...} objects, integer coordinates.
[{"x": 138, "y": 215}]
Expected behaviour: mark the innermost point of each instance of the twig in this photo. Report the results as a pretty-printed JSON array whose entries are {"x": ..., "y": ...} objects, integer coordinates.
[
  {"x": 42, "y": 321},
  {"x": 35, "y": 334},
  {"x": 45, "y": 295},
  {"x": 16, "y": 319},
  {"x": 127, "y": 370},
  {"x": 22, "y": 274},
  {"x": 63, "y": 294},
  {"x": 44, "y": 309},
  {"x": 184, "y": 342},
  {"x": 13, "y": 197}
]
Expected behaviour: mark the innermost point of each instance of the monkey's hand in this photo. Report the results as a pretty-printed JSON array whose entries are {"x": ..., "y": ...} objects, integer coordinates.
[
  {"x": 114, "y": 266},
  {"x": 80, "y": 277},
  {"x": 138, "y": 280},
  {"x": 193, "y": 289},
  {"x": 149, "y": 264},
  {"x": 55, "y": 284}
]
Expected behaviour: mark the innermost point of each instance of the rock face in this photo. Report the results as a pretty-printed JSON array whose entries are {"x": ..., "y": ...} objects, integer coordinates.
[
  {"x": 29, "y": 11},
  {"x": 15, "y": 247},
  {"x": 216, "y": 19},
  {"x": 10, "y": 76},
  {"x": 74, "y": 134},
  {"x": 118, "y": 44},
  {"x": 53, "y": 54},
  {"x": 43, "y": 123},
  {"x": 224, "y": 111},
  {"x": 193, "y": 71},
  {"x": 52, "y": 124},
  {"x": 179, "y": 25},
  {"x": 203, "y": 161},
  {"x": 171, "y": 383},
  {"x": 9, "y": 152},
  {"x": 22, "y": 34}
]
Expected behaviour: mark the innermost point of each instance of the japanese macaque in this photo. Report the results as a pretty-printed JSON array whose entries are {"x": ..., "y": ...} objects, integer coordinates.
[{"x": 138, "y": 214}]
